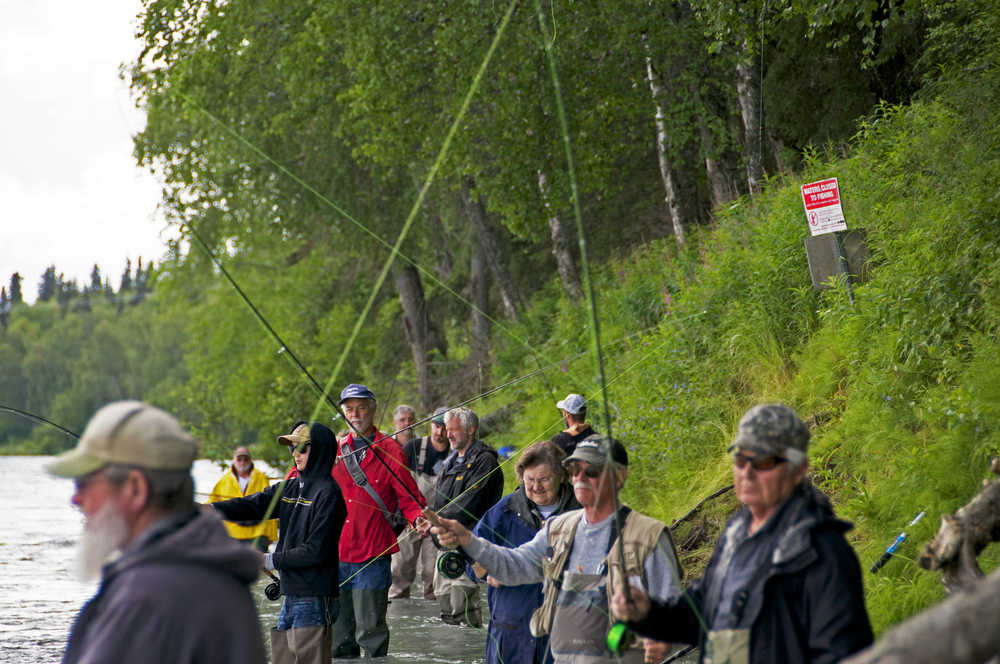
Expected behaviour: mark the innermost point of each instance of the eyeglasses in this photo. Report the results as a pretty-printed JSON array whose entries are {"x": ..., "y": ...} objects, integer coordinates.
[
  {"x": 539, "y": 481},
  {"x": 760, "y": 464},
  {"x": 593, "y": 472}
]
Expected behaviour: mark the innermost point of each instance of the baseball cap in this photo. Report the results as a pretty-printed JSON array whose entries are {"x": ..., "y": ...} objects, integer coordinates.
[
  {"x": 594, "y": 450},
  {"x": 299, "y": 435},
  {"x": 241, "y": 451},
  {"x": 132, "y": 433},
  {"x": 772, "y": 429},
  {"x": 573, "y": 404},
  {"x": 356, "y": 391},
  {"x": 438, "y": 416}
]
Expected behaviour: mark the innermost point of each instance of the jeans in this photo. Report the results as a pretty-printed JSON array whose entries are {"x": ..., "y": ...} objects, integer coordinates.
[{"x": 299, "y": 611}]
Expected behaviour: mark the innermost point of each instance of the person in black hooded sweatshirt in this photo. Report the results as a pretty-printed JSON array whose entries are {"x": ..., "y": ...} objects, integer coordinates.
[{"x": 311, "y": 513}]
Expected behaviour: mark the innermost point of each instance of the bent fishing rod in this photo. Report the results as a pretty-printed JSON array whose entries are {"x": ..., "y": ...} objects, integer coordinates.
[
  {"x": 38, "y": 418},
  {"x": 284, "y": 347}
]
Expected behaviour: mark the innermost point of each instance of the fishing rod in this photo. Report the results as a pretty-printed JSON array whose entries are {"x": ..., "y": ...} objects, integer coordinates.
[
  {"x": 38, "y": 418},
  {"x": 900, "y": 538},
  {"x": 618, "y": 637},
  {"x": 324, "y": 395}
]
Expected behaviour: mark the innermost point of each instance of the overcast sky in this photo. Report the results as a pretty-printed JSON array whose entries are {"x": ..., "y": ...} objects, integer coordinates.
[{"x": 70, "y": 192}]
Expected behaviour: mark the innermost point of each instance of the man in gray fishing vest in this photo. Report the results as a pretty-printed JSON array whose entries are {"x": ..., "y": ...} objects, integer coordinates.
[
  {"x": 180, "y": 591},
  {"x": 578, "y": 557},
  {"x": 416, "y": 550},
  {"x": 783, "y": 584}
]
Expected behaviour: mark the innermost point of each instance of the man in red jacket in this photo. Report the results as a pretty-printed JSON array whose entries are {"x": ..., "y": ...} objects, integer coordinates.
[{"x": 376, "y": 482}]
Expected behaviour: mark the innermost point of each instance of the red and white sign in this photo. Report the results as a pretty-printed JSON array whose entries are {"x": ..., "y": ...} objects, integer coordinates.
[{"x": 823, "y": 211}]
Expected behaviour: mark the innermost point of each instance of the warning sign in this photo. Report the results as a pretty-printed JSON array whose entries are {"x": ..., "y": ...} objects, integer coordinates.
[{"x": 822, "y": 203}]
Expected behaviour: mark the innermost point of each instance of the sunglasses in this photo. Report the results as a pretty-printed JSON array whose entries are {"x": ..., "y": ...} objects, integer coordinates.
[
  {"x": 757, "y": 463},
  {"x": 593, "y": 472},
  {"x": 302, "y": 447}
]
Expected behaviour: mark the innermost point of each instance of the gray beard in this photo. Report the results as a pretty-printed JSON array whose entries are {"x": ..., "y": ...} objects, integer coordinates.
[{"x": 102, "y": 535}]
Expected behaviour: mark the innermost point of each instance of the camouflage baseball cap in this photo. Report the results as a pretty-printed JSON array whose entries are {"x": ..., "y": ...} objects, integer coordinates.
[{"x": 772, "y": 429}]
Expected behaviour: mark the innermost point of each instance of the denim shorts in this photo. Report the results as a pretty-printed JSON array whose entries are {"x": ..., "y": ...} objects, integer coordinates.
[
  {"x": 300, "y": 611},
  {"x": 368, "y": 575}
]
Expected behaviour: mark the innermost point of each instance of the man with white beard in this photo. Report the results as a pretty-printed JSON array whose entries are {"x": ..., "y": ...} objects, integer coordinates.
[{"x": 179, "y": 591}]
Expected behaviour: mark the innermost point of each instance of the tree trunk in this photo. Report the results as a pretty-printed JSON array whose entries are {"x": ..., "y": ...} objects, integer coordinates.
[
  {"x": 669, "y": 186},
  {"x": 493, "y": 251},
  {"x": 721, "y": 188},
  {"x": 417, "y": 327},
  {"x": 442, "y": 248},
  {"x": 963, "y": 536},
  {"x": 561, "y": 243},
  {"x": 960, "y": 630},
  {"x": 479, "y": 287},
  {"x": 748, "y": 96}
]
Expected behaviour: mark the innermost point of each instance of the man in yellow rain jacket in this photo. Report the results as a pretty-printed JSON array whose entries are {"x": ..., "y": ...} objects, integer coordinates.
[{"x": 242, "y": 479}]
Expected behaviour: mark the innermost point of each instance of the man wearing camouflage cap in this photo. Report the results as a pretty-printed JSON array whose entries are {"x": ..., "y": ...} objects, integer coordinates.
[
  {"x": 783, "y": 584},
  {"x": 179, "y": 592}
]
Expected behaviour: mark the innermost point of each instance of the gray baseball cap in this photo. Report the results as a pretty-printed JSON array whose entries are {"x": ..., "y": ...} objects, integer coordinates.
[
  {"x": 130, "y": 433},
  {"x": 772, "y": 429}
]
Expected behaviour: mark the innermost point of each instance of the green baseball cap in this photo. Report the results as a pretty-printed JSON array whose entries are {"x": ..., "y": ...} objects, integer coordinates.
[{"x": 130, "y": 433}]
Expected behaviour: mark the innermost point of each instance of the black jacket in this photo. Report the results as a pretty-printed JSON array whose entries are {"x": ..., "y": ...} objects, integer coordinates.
[
  {"x": 464, "y": 491},
  {"x": 311, "y": 513},
  {"x": 809, "y": 606}
]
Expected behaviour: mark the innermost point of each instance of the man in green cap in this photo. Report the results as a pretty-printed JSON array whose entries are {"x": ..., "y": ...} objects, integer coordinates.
[{"x": 179, "y": 591}]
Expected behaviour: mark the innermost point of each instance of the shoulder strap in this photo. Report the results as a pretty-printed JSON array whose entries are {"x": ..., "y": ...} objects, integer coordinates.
[
  {"x": 361, "y": 479},
  {"x": 422, "y": 454}
]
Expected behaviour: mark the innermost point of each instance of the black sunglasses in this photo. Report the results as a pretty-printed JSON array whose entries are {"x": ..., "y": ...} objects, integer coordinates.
[
  {"x": 757, "y": 463},
  {"x": 593, "y": 472},
  {"x": 301, "y": 448}
]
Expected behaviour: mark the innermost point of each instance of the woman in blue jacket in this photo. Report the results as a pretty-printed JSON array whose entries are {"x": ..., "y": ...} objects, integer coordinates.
[{"x": 544, "y": 492}]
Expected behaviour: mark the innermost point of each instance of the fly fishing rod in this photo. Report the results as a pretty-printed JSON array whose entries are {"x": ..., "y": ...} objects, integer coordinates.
[{"x": 38, "y": 418}]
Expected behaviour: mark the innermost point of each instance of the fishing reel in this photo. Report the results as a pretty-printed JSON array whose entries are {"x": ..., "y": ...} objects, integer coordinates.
[
  {"x": 272, "y": 591},
  {"x": 452, "y": 563},
  {"x": 620, "y": 638}
]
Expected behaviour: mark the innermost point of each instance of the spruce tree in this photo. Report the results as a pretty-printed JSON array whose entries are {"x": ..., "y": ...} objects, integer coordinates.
[
  {"x": 126, "y": 284},
  {"x": 15, "y": 289},
  {"x": 49, "y": 286},
  {"x": 95, "y": 280}
]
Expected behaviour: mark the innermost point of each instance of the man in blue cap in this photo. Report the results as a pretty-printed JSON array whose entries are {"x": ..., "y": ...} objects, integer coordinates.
[{"x": 381, "y": 497}]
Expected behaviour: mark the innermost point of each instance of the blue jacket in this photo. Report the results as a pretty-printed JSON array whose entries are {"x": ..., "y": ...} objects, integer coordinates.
[{"x": 511, "y": 522}]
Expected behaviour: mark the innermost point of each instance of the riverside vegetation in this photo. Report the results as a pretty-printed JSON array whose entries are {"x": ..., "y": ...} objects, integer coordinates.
[{"x": 901, "y": 388}]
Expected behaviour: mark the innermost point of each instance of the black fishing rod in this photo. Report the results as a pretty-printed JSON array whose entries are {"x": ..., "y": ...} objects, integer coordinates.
[
  {"x": 39, "y": 419},
  {"x": 260, "y": 317}
]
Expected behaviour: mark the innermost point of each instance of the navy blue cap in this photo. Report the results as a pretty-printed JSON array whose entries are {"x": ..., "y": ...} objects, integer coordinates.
[{"x": 356, "y": 391}]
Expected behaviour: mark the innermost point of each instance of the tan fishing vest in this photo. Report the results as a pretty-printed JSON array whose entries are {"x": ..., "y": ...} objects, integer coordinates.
[{"x": 640, "y": 535}]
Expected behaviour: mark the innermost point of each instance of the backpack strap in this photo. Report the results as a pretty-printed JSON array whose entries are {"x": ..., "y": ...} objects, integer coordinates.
[{"x": 361, "y": 479}]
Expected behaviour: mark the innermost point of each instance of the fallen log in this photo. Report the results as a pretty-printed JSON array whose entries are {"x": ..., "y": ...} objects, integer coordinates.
[{"x": 963, "y": 536}]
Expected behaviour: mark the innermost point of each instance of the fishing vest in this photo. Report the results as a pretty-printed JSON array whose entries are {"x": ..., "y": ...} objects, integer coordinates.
[{"x": 640, "y": 535}]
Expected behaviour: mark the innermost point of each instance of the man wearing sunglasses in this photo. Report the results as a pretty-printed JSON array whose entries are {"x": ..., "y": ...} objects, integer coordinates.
[
  {"x": 783, "y": 584},
  {"x": 578, "y": 558}
]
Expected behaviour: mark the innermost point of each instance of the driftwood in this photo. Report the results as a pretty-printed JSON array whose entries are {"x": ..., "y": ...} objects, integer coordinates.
[
  {"x": 963, "y": 536},
  {"x": 964, "y": 628}
]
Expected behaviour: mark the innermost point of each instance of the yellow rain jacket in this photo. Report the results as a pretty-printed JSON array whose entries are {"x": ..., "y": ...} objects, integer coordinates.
[{"x": 228, "y": 487}]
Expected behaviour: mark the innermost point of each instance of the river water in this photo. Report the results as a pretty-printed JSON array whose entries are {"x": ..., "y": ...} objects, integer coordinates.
[{"x": 40, "y": 598}]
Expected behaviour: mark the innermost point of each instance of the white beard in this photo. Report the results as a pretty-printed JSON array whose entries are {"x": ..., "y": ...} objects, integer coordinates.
[{"x": 103, "y": 534}]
